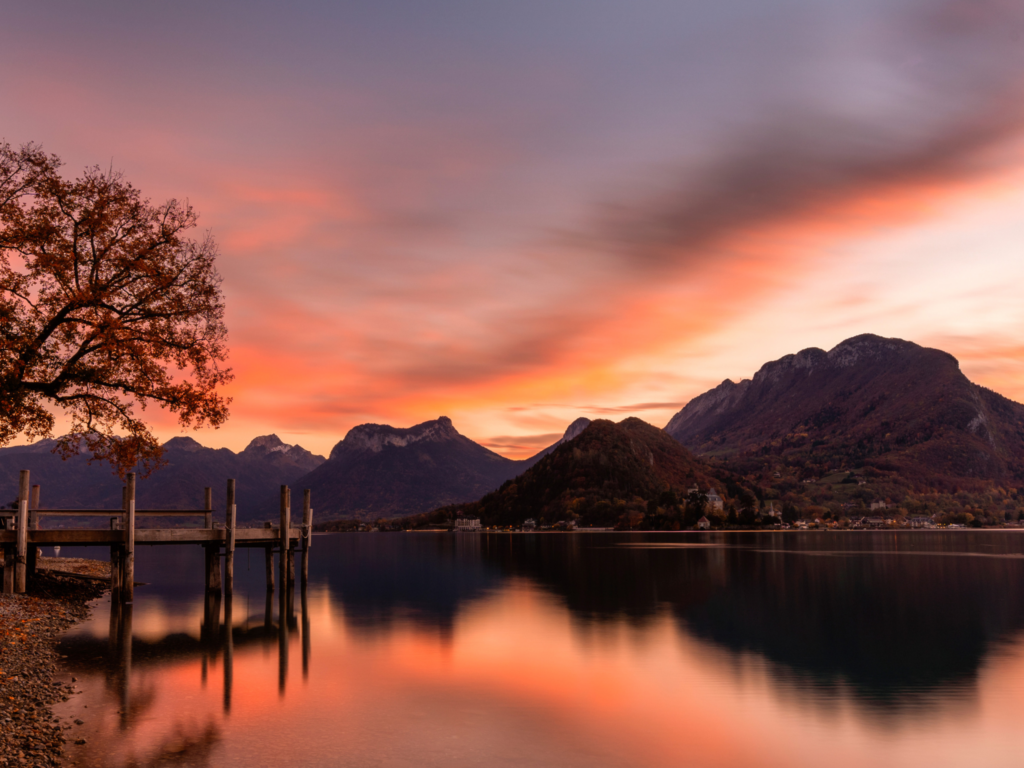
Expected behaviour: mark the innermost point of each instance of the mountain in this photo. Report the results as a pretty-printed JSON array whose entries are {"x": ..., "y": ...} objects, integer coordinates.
[
  {"x": 383, "y": 471},
  {"x": 869, "y": 401},
  {"x": 609, "y": 470},
  {"x": 260, "y": 470},
  {"x": 573, "y": 431}
]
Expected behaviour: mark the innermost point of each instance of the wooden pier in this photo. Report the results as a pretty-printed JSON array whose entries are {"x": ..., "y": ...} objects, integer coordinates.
[{"x": 21, "y": 540}]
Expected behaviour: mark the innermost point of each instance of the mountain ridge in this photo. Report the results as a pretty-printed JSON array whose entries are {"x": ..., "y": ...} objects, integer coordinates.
[{"x": 869, "y": 400}]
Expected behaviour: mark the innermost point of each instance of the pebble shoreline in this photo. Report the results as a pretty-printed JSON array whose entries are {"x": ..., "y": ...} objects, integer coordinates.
[{"x": 30, "y": 626}]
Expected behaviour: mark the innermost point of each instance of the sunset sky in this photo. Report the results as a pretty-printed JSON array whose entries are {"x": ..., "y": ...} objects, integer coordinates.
[{"x": 518, "y": 213}]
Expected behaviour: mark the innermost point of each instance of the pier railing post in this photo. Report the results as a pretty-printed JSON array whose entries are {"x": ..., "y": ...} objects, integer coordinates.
[
  {"x": 307, "y": 533},
  {"x": 229, "y": 551},
  {"x": 213, "y": 580},
  {"x": 33, "y": 520},
  {"x": 128, "y": 585},
  {"x": 268, "y": 551},
  {"x": 285, "y": 526},
  {"x": 21, "y": 555},
  {"x": 33, "y": 525}
]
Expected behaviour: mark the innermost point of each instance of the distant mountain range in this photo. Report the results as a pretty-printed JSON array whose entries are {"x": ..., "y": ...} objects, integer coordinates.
[
  {"x": 889, "y": 406},
  {"x": 869, "y": 401},
  {"x": 376, "y": 471},
  {"x": 260, "y": 470}
]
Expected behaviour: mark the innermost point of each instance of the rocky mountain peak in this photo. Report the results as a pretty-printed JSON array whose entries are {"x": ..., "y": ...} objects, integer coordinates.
[
  {"x": 267, "y": 444},
  {"x": 376, "y": 437},
  {"x": 867, "y": 346},
  {"x": 184, "y": 444},
  {"x": 574, "y": 429}
]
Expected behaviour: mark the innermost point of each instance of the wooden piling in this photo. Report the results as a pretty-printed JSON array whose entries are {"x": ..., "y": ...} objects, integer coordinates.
[
  {"x": 21, "y": 556},
  {"x": 307, "y": 533},
  {"x": 128, "y": 585},
  {"x": 116, "y": 577},
  {"x": 117, "y": 551},
  {"x": 286, "y": 512},
  {"x": 229, "y": 551},
  {"x": 291, "y": 564},
  {"x": 269, "y": 551},
  {"x": 213, "y": 579},
  {"x": 34, "y": 504},
  {"x": 282, "y": 636},
  {"x": 32, "y": 564}
]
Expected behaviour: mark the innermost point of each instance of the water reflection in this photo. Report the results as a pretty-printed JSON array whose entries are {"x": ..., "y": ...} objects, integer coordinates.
[{"x": 596, "y": 650}]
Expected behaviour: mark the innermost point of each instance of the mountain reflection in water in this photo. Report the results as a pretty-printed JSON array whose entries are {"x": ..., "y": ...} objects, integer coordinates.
[{"x": 570, "y": 649}]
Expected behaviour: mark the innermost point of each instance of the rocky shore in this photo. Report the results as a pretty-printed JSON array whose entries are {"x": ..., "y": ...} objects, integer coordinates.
[{"x": 30, "y": 626}]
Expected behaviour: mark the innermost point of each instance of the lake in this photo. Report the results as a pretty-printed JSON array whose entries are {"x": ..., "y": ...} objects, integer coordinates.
[{"x": 587, "y": 649}]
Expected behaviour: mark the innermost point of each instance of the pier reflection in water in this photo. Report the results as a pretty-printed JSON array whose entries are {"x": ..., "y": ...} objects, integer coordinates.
[{"x": 596, "y": 650}]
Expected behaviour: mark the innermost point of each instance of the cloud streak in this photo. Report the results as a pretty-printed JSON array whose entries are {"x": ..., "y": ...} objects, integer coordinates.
[{"x": 533, "y": 204}]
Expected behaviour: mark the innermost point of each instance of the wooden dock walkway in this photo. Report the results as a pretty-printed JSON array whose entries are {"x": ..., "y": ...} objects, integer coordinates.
[{"x": 21, "y": 536}]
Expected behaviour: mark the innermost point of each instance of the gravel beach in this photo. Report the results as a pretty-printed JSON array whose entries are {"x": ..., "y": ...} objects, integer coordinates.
[{"x": 30, "y": 626}]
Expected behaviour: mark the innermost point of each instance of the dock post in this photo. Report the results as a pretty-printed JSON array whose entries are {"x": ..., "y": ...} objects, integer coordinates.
[
  {"x": 269, "y": 551},
  {"x": 229, "y": 551},
  {"x": 33, "y": 525},
  {"x": 307, "y": 534},
  {"x": 21, "y": 556},
  {"x": 291, "y": 564},
  {"x": 128, "y": 584},
  {"x": 117, "y": 551},
  {"x": 282, "y": 628},
  {"x": 213, "y": 580},
  {"x": 33, "y": 505},
  {"x": 285, "y": 527}
]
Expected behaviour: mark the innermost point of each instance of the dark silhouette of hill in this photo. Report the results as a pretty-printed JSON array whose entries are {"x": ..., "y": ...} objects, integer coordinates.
[
  {"x": 870, "y": 401},
  {"x": 383, "y": 471},
  {"x": 607, "y": 471},
  {"x": 573, "y": 431},
  {"x": 260, "y": 470}
]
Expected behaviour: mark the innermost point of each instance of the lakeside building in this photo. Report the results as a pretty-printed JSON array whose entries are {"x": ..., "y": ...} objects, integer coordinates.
[
  {"x": 714, "y": 500},
  {"x": 703, "y": 524},
  {"x": 467, "y": 524}
]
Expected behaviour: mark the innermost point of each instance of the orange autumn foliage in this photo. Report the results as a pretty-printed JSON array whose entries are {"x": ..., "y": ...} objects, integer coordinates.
[{"x": 106, "y": 306}]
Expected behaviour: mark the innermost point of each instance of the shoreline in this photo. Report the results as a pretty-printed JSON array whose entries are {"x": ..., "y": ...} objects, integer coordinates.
[{"x": 31, "y": 625}]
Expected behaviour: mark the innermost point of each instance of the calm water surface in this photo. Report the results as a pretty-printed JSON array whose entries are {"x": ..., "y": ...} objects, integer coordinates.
[{"x": 729, "y": 650}]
